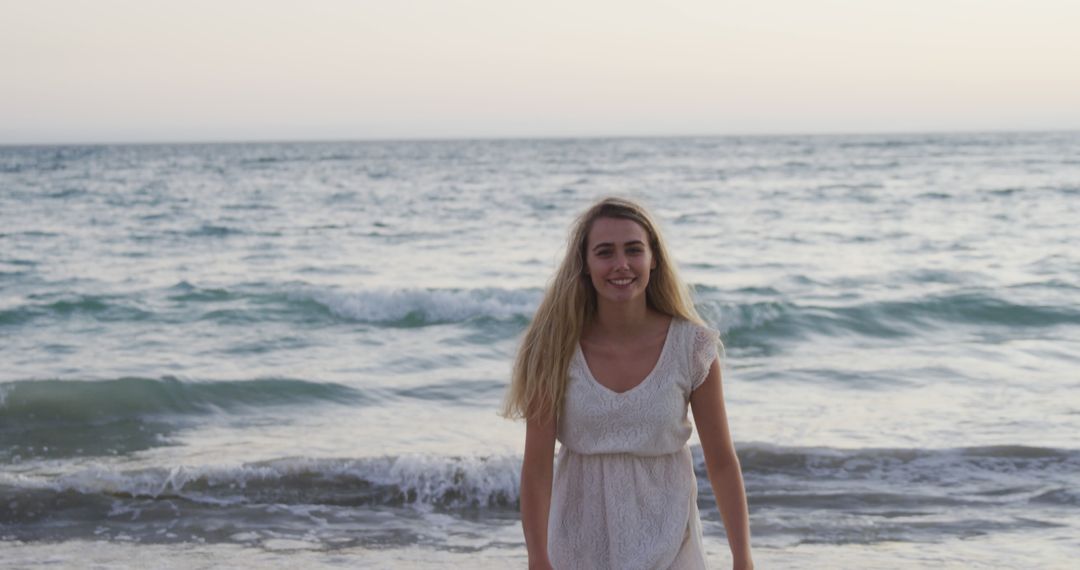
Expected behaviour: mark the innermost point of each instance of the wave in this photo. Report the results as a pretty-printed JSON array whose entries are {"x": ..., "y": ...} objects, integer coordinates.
[
  {"x": 67, "y": 418},
  {"x": 28, "y": 402},
  {"x": 789, "y": 477},
  {"x": 828, "y": 495},
  {"x": 411, "y": 480},
  {"x": 906, "y": 482},
  {"x": 417, "y": 307},
  {"x": 99, "y": 307},
  {"x": 968, "y": 465},
  {"x": 253, "y": 303},
  {"x": 761, "y": 321},
  {"x": 753, "y": 322}
]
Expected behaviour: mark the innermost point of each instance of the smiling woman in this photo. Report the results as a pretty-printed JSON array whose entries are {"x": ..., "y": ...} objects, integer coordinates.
[{"x": 608, "y": 367}]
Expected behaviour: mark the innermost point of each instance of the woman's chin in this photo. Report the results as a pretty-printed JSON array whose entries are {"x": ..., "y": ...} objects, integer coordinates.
[{"x": 623, "y": 295}]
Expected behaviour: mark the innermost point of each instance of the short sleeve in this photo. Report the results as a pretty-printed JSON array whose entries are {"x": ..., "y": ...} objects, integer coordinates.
[{"x": 704, "y": 353}]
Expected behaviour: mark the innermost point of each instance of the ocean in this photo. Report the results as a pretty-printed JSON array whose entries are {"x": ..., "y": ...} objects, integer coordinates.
[{"x": 293, "y": 354}]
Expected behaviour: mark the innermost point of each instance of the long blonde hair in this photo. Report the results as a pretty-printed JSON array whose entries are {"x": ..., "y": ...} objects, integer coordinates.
[{"x": 541, "y": 369}]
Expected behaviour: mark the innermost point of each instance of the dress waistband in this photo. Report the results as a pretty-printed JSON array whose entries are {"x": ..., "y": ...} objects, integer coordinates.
[{"x": 566, "y": 450}]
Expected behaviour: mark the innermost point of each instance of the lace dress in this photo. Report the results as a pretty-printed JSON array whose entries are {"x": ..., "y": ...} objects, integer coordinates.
[{"x": 624, "y": 494}]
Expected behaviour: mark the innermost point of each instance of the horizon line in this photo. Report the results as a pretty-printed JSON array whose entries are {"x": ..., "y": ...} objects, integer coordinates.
[{"x": 508, "y": 138}]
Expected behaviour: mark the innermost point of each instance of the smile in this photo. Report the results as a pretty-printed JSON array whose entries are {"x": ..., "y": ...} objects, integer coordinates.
[{"x": 621, "y": 282}]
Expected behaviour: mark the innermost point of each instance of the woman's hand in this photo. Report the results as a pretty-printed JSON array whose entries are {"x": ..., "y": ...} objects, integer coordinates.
[{"x": 545, "y": 564}]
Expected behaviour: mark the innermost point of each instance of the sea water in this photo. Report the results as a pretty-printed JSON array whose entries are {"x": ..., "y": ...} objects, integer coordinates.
[{"x": 293, "y": 355}]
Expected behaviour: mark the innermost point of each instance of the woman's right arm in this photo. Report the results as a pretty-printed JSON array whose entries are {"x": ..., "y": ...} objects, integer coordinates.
[{"x": 536, "y": 475}]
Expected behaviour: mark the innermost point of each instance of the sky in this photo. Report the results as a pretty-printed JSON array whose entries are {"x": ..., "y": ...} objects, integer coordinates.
[{"x": 237, "y": 70}]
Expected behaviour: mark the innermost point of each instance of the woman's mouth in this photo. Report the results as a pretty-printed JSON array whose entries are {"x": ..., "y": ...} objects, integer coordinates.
[{"x": 622, "y": 282}]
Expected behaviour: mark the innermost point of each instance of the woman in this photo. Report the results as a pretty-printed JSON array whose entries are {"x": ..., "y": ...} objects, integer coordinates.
[{"x": 608, "y": 365}]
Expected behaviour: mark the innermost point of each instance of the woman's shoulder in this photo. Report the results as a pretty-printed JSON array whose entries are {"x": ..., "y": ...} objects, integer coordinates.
[
  {"x": 695, "y": 337},
  {"x": 693, "y": 328},
  {"x": 696, "y": 345}
]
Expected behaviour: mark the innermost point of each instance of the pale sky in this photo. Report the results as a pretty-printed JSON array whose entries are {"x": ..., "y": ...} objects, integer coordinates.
[{"x": 199, "y": 70}]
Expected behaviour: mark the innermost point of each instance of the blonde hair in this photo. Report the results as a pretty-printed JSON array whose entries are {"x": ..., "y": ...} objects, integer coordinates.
[{"x": 541, "y": 369}]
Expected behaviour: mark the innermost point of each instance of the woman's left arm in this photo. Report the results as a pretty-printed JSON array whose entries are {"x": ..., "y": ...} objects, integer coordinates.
[{"x": 725, "y": 473}]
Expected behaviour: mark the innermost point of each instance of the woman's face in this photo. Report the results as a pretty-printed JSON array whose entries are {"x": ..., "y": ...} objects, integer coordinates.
[{"x": 618, "y": 259}]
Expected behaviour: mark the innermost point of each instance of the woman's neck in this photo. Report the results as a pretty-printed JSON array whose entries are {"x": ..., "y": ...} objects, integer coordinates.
[{"x": 622, "y": 320}]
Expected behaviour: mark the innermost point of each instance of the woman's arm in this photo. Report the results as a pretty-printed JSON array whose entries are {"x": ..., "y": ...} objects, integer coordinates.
[
  {"x": 536, "y": 474},
  {"x": 725, "y": 473}
]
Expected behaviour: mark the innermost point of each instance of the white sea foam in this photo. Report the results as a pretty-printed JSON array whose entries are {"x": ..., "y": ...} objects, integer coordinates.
[
  {"x": 420, "y": 480},
  {"x": 425, "y": 481},
  {"x": 462, "y": 481},
  {"x": 426, "y": 305}
]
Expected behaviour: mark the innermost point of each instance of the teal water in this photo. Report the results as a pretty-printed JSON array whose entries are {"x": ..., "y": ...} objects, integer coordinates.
[{"x": 296, "y": 350}]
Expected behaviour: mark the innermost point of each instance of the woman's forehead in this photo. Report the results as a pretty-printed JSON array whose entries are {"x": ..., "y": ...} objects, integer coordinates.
[{"x": 616, "y": 230}]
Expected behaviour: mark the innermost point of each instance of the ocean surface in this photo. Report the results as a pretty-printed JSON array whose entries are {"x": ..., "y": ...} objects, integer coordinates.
[{"x": 292, "y": 355}]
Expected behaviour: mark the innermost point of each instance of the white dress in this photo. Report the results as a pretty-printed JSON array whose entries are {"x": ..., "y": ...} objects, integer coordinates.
[{"x": 624, "y": 494}]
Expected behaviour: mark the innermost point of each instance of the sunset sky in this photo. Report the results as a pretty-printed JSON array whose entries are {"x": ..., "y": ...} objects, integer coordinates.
[{"x": 150, "y": 70}]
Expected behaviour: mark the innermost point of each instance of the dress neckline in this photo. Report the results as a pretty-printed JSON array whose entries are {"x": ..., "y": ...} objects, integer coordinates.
[{"x": 645, "y": 380}]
